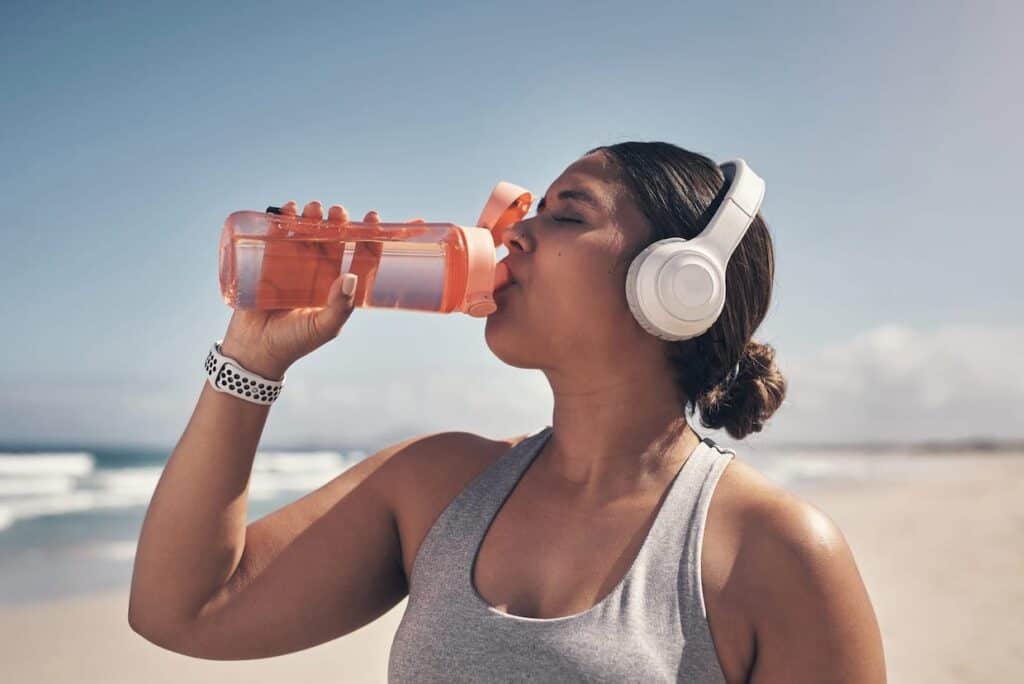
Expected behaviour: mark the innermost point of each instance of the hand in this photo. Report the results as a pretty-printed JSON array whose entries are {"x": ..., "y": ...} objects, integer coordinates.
[{"x": 268, "y": 342}]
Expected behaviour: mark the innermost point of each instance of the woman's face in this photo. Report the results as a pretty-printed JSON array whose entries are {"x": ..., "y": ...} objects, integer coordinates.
[{"x": 567, "y": 308}]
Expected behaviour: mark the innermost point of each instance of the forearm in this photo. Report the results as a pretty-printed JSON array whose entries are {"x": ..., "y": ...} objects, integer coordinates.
[{"x": 193, "y": 534}]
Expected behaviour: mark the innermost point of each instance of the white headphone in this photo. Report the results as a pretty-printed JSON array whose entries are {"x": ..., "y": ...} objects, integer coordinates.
[{"x": 676, "y": 287}]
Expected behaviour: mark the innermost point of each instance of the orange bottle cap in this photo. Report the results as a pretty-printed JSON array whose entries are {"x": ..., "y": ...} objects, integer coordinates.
[
  {"x": 507, "y": 205},
  {"x": 480, "y": 261}
]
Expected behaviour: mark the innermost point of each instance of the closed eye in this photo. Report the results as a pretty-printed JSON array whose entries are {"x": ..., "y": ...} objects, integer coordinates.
[{"x": 542, "y": 205}]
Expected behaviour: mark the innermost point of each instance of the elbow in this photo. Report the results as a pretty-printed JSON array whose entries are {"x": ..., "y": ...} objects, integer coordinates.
[
  {"x": 150, "y": 631},
  {"x": 151, "y": 617},
  {"x": 158, "y": 633},
  {"x": 153, "y": 635},
  {"x": 180, "y": 639}
]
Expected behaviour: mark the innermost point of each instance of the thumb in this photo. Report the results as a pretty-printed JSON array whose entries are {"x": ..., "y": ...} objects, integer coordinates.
[{"x": 340, "y": 298}]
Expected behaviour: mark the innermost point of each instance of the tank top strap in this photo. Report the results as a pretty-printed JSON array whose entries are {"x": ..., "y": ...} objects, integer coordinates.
[
  {"x": 686, "y": 543},
  {"x": 686, "y": 502},
  {"x": 449, "y": 545}
]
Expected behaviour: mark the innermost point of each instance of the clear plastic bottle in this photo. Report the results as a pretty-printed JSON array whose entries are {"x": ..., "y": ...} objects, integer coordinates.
[{"x": 275, "y": 261}]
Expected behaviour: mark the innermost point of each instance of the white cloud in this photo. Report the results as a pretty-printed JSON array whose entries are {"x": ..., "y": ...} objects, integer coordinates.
[
  {"x": 890, "y": 383},
  {"x": 312, "y": 410},
  {"x": 497, "y": 402},
  {"x": 899, "y": 383}
]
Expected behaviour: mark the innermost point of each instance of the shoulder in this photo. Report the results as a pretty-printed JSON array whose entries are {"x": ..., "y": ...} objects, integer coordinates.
[
  {"x": 437, "y": 463},
  {"x": 451, "y": 447},
  {"x": 779, "y": 536},
  {"x": 425, "y": 473},
  {"x": 777, "y": 525},
  {"x": 430, "y": 447},
  {"x": 799, "y": 584}
]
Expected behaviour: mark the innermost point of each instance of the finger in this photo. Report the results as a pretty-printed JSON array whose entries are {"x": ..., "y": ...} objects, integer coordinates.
[
  {"x": 313, "y": 210},
  {"x": 372, "y": 217},
  {"x": 291, "y": 207},
  {"x": 337, "y": 213},
  {"x": 333, "y": 315}
]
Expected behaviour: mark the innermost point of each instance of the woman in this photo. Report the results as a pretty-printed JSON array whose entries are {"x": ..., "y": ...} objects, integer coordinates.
[{"x": 616, "y": 544}]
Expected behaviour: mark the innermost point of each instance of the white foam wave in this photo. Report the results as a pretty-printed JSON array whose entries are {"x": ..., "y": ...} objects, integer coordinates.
[
  {"x": 45, "y": 488},
  {"x": 32, "y": 486},
  {"x": 297, "y": 461},
  {"x": 73, "y": 464},
  {"x": 111, "y": 550},
  {"x": 126, "y": 480},
  {"x": 787, "y": 470}
]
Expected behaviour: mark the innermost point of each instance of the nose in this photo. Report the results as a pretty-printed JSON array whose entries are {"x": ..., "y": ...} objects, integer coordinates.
[{"x": 512, "y": 235}]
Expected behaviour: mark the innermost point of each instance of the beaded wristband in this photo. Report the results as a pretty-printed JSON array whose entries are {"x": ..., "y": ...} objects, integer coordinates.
[{"x": 227, "y": 375}]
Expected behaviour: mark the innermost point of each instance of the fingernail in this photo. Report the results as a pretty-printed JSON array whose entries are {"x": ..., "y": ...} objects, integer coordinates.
[{"x": 348, "y": 284}]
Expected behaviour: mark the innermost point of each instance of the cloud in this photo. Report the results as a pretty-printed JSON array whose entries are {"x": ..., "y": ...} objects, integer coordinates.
[
  {"x": 495, "y": 401},
  {"x": 893, "y": 382},
  {"x": 899, "y": 383},
  {"x": 366, "y": 411}
]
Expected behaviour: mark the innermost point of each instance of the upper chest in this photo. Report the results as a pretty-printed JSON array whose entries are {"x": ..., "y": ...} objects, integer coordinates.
[{"x": 540, "y": 559}]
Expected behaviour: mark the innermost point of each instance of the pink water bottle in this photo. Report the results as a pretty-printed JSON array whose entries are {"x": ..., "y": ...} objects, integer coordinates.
[{"x": 270, "y": 260}]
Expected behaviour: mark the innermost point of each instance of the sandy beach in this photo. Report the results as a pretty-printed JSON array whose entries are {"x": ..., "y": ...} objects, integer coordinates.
[{"x": 942, "y": 557}]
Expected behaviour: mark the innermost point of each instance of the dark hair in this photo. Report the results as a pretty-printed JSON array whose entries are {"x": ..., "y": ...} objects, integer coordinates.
[{"x": 731, "y": 378}]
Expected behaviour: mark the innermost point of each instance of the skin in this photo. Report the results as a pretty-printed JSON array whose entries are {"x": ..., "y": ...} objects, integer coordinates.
[{"x": 786, "y": 601}]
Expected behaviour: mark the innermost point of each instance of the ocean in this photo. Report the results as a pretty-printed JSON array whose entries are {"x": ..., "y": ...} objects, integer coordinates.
[{"x": 70, "y": 517}]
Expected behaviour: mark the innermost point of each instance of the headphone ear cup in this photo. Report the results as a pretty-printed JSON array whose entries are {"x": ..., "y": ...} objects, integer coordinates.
[
  {"x": 633, "y": 294},
  {"x": 675, "y": 289}
]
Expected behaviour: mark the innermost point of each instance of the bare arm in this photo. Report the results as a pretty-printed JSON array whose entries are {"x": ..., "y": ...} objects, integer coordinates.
[
  {"x": 314, "y": 570},
  {"x": 206, "y": 585},
  {"x": 194, "y": 530},
  {"x": 814, "y": 619}
]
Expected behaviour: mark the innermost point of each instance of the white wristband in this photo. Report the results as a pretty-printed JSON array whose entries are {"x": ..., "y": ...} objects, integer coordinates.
[{"x": 227, "y": 375}]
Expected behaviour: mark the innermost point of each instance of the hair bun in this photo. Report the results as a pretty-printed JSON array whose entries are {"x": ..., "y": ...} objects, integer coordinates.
[{"x": 748, "y": 396}]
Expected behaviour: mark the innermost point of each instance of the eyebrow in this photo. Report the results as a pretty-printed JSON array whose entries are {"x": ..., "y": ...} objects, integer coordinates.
[{"x": 578, "y": 195}]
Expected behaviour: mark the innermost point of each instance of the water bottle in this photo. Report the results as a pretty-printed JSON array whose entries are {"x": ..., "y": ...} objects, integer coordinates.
[{"x": 270, "y": 260}]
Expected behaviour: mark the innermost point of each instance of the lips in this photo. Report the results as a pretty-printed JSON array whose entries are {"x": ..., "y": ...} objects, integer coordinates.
[
  {"x": 502, "y": 277},
  {"x": 504, "y": 288},
  {"x": 499, "y": 294}
]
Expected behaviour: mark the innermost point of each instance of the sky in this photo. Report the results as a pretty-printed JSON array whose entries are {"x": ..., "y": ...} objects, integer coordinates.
[{"x": 888, "y": 135}]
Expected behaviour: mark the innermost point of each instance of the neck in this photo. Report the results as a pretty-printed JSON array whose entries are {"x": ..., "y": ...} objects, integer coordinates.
[{"x": 615, "y": 434}]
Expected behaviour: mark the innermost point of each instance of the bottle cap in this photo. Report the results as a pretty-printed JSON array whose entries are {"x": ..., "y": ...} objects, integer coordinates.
[
  {"x": 507, "y": 204},
  {"x": 480, "y": 262}
]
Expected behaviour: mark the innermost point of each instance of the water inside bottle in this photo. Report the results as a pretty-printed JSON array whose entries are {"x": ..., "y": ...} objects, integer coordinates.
[{"x": 267, "y": 263}]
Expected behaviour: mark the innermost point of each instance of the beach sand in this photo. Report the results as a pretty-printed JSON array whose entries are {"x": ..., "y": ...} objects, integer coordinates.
[
  {"x": 942, "y": 557},
  {"x": 943, "y": 561}
]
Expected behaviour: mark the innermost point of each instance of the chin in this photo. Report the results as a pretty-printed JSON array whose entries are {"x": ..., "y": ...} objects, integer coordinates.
[{"x": 506, "y": 341}]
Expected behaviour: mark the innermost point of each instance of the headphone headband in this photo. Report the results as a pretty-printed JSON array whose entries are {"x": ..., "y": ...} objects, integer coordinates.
[{"x": 736, "y": 212}]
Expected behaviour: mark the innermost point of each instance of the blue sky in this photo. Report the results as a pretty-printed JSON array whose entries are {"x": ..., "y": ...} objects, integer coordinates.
[{"x": 888, "y": 137}]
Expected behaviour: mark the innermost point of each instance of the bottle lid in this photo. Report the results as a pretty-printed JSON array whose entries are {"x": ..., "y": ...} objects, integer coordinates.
[
  {"x": 507, "y": 204},
  {"x": 478, "y": 300}
]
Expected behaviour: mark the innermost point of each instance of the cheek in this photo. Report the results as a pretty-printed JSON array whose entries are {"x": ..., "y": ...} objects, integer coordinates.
[{"x": 583, "y": 285}]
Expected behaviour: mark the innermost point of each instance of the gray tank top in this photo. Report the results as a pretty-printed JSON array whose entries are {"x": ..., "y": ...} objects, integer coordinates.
[{"x": 651, "y": 628}]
